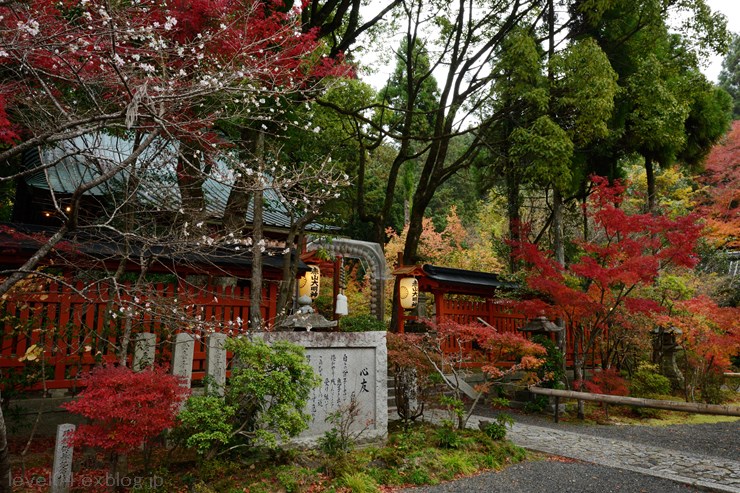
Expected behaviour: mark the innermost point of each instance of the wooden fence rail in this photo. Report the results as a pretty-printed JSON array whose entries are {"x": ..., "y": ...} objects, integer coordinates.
[
  {"x": 689, "y": 407},
  {"x": 79, "y": 325}
]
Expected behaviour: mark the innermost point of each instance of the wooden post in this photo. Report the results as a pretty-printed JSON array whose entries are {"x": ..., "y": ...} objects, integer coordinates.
[{"x": 400, "y": 312}]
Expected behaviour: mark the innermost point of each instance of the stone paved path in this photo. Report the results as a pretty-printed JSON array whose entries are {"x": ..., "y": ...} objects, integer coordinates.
[{"x": 712, "y": 473}]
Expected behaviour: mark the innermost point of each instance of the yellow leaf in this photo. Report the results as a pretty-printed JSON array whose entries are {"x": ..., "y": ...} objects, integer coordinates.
[{"x": 32, "y": 353}]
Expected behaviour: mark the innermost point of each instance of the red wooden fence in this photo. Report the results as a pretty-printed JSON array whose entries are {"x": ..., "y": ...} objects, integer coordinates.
[
  {"x": 80, "y": 325},
  {"x": 497, "y": 316}
]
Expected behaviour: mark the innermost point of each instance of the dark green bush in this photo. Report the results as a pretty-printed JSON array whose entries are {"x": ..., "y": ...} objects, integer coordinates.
[
  {"x": 263, "y": 404},
  {"x": 448, "y": 437},
  {"x": 361, "y": 323},
  {"x": 552, "y": 372},
  {"x": 648, "y": 383},
  {"x": 497, "y": 429}
]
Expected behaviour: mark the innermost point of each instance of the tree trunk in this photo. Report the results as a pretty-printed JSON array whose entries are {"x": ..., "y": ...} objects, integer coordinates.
[
  {"x": 255, "y": 293},
  {"x": 5, "y": 479},
  {"x": 235, "y": 212},
  {"x": 190, "y": 178},
  {"x": 128, "y": 323},
  {"x": 557, "y": 227},
  {"x": 512, "y": 209},
  {"x": 578, "y": 376},
  {"x": 650, "y": 176},
  {"x": 689, "y": 407}
]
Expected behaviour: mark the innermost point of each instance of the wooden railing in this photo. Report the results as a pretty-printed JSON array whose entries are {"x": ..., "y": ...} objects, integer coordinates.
[
  {"x": 80, "y": 325},
  {"x": 500, "y": 318}
]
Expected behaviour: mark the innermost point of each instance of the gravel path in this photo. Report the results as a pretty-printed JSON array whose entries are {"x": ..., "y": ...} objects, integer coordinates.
[
  {"x": 721, "y": 441},
  {"x": 558, "y": 477},
  {"x": 718, "y": 439}
]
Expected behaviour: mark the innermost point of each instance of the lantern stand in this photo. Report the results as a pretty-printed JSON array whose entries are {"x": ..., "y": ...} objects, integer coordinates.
[
  {"x": 305, "y": 319},
  {"x": 340, "y": 307}
]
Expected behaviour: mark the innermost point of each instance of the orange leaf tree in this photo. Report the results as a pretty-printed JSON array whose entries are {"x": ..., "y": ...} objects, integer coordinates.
[
  {"x": 449, "y": 347},
  {"x": 711, "y": 337},
  {"x": 625, "y": 253},
  {"x": 721, "y": 202}
]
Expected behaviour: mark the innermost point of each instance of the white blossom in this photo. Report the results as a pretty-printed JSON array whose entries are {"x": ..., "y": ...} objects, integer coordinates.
[{"x": 31, "y": 27}]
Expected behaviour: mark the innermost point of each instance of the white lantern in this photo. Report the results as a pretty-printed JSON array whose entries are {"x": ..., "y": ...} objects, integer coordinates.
[
  {"x": 308, "y": 285},
  {"x": 409, "y": 292},
  {"x": 342, "y": 307}
]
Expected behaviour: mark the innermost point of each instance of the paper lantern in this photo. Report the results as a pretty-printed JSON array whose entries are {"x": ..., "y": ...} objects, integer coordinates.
[
  {"x": 409, "y": 292},
  {"x": 308, "y": 285}
]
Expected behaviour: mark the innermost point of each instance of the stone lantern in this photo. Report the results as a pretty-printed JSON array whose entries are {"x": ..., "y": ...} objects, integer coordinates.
[
  {"x": 665, "y": 346},
  {"x": 542, "y": 326},
  {"x": 305, "y": 319}
]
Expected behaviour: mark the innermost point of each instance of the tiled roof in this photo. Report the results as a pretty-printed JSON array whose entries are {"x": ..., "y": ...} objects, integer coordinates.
[{"x": 77, "y": 161}]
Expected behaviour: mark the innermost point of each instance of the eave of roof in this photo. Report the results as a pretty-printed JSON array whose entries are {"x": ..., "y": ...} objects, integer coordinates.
[
  {"x": 466, "y": 277},
  {"x": 453, "y": 280},
  {"x": 20, "y": 240},
  {"x": 77, "y": 162}
]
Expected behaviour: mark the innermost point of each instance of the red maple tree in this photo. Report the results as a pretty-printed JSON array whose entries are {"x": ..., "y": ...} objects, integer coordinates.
[
  {"x": 720, "y": 204},
  {"x": 448, "y": 348},
  {"x": 126, "y": 409},
  {"x": 625, "y": 253},
  {"x": 710, "y": 339}
]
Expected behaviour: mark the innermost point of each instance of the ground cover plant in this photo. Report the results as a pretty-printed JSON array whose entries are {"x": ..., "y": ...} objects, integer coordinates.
[{"x": 412, "y": 455}]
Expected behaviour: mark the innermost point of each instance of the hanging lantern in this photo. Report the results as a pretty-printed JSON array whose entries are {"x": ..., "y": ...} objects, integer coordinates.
[
  {"x": 342, "y": 307},
  {"x": 308, "y": 285},
  {"x": 409, "y": 292}
]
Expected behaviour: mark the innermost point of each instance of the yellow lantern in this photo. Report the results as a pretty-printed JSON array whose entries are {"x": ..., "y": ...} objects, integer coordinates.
[
  {"x": 409, "y": 292},
  {"x": 308, "y": 285}
]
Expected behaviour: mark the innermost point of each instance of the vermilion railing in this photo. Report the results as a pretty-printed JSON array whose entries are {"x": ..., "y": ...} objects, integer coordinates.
[
  {"x": 79, "y": 325},
  {"x": 500, "y": 318}
]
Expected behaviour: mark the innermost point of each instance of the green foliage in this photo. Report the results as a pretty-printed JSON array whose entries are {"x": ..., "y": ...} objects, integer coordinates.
[
  {"x": 552, "y": 372},
  {"x": 455, "y": 408},
  {"x": 712, "y": 391},
  {"x": 361, "y": 323},
  {"x": 294, "y": 479},
  {"x": 264, "y": 400},
  {"x": 456, "y": 463},
  {"x": 447, "y": 437},
  {"x": 586, "y": 85},
  {"x": 344, "y": 433},
  {"x": 538, "y": 404},
  {"x": 647, "y": 382},
  {"x": 324, "y": 305},
  {"x": 205, "y": 423},
  {"x": 548, "y": 150},
  {"x": 729, "y": 77},
  {"x": 359, "y": 482},
  {"x": 497, "y": 428},
  {"x": 269, "y": 385},
  {"x": 333, "y": 444}
]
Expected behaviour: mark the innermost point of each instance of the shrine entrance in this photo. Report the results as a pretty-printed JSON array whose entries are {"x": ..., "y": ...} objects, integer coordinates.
[{"x": 460, "y": 295}]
